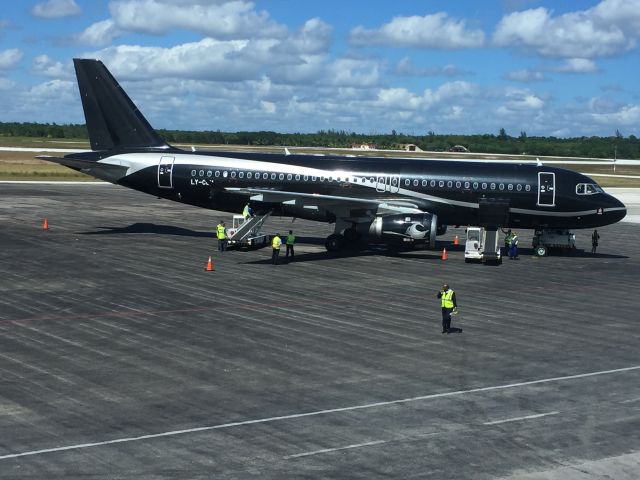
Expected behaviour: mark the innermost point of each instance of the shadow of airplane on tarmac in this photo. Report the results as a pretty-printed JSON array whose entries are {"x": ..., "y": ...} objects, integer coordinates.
[{"x": 144, "y": 228}]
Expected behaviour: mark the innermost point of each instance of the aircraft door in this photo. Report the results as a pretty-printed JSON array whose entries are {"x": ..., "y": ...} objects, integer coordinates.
[
  {"x": 546, "y": 189},
  {"x": 389, "y": 183},
  {"x": 165, "y": 172}
]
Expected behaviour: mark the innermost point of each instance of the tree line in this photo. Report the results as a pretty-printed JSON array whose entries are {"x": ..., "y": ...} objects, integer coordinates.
[{"x": 597, "y": 147}]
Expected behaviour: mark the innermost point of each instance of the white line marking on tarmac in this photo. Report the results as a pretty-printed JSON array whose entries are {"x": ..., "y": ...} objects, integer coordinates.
[
  {"x": 517, "y": 419},
  {"x": 631, "y": 400},
  {"x": 318, "y": 412},
  {"x": 328, "y": 450}
]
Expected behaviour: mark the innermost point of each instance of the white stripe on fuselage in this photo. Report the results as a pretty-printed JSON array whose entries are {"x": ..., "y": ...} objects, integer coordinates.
[{"x": 139, "y": 161}]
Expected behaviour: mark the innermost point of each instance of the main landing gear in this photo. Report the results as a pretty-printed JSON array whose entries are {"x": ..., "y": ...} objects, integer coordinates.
[{"x": 349, "y": 238}]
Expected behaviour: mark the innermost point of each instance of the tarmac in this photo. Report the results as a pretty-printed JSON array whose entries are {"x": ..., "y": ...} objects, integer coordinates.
[{"x": 120, "y": 357}]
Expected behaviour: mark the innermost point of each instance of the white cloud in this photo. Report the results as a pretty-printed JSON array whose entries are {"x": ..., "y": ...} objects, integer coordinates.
[
  {"x": 577, "y": 65},
  {"x": 45, "y": 66},
  {"x": 525, "y": 76},
  {"x": 627, "y": 115},
  {"x": 9, "y": 58},
  {"x": 609, "y": 28},
  {"x": 99, "y": 34},
  {"x": 430, "y": 31},
  {"x": 56, "y": 9},
  {"x": 405, "y": 67},
  {"x": 217, "y": 19}
]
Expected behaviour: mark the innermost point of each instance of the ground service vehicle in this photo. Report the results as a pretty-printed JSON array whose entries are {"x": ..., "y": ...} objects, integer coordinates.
[
  {"x": 560, "y": 239},
  {"x": 482, "y": 246}
]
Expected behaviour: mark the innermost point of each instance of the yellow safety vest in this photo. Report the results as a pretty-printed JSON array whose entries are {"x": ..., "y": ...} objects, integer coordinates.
[
  {"x": 291, "y": 239},
  {"x": 220, "y": 232},
  {"x": 447, "y": 299},
  {"x": 276, "y": 242},
  {"x": 245, "y": 212}
]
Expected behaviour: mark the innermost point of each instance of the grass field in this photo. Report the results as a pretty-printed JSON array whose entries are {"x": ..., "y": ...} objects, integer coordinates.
[{"x": 17, "y": 165}]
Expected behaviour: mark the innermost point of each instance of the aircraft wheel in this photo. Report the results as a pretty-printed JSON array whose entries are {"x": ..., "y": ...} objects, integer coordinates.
[
  {"x": 541, "y": 250},
  {"x": 334, "y": 242}
]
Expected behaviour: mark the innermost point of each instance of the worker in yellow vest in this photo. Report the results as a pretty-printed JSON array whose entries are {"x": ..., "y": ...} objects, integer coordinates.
[
  {"x": 291, "y": 240},
  {"x": 449, "y": 305},
  {"x": 247, "y": 212},
  {"x": 221, "y": 233},
  {"x": 275, "y": 244}
]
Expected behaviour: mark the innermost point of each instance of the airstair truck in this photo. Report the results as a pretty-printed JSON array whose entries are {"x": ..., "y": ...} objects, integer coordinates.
[
  {"x": 245, "y": 231},
  {"x": 482, "y": 246}
]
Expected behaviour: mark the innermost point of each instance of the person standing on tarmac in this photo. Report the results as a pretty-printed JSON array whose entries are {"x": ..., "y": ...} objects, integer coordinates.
[
  {"x": 221, "y": 233},
  {"x": 291, "y": 240},
  {"x": 449, "y": 305},
  {"x": 594, "y": 241},
  {"x": 513, "y": 249},
  {"x": 507, "y": 241},
  {"x": 275, "y": 244}
]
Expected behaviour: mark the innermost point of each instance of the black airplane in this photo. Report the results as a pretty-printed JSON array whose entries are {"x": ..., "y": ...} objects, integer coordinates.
[{"x": 393, "y": 200}]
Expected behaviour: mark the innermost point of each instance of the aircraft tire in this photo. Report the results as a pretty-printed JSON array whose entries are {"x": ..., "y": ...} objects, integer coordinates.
[
  {"x": 541, "y": 250},
  {"x": 334, "y": 242}
]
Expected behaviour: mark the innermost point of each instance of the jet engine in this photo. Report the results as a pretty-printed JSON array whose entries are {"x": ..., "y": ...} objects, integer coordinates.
[{"x": 406, "y": 228}]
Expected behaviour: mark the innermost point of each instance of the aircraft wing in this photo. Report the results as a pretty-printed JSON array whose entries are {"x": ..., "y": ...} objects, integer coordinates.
[{"x": 328, "y": 202}]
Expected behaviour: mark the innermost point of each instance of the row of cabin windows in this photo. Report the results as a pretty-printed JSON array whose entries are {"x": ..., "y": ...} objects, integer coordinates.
[
  {"x": 407, "y": 182},
  {"x": 468, "y": 185}
]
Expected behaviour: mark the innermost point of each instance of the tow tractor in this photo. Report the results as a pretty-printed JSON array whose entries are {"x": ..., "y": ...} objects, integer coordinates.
[
  {"x": 545, "y": 239},
  {"x": 245, "y": 231},
  {"x": 482, "y": 246}
]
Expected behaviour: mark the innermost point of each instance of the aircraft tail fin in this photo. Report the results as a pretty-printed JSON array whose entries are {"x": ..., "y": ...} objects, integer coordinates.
[{"x": 113, "y": 120}]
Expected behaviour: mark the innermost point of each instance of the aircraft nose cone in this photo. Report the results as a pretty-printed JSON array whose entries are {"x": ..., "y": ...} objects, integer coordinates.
[{"x": 617, "y": 209}]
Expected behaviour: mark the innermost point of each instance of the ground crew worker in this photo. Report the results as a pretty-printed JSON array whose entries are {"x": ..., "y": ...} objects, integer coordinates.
[
  {"x": 221, "y": 233},
  {"x": 594, "y": 241},
  {"x": 448, "y": 302},
  {"x": 507, "y": 241},
  {"x": 246, "y": 211},
  {"x": 513, "y": 249},
  {"x": 275, "y": 244},
  {"x": 291, "y": 239}
]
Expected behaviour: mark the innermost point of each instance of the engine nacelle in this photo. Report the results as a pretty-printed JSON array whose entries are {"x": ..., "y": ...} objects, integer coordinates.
[
  {"x": 406, "y": 228},
  {"x": 442, "y": 229}
]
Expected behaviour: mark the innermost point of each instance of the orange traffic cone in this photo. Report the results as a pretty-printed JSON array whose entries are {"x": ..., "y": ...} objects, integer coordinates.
[
  {"x": 45, "y": 224},
  {"x": 444, "y": 254},
  {"x": 456, "y": 241},
  {"x": 209, "y": 267}
]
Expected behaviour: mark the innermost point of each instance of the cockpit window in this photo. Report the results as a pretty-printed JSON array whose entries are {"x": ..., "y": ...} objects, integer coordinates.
[{"x": 588, "y": 189}]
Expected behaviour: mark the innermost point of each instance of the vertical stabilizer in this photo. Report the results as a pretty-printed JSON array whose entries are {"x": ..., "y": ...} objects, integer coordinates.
[{"x": 113, "y": 120}]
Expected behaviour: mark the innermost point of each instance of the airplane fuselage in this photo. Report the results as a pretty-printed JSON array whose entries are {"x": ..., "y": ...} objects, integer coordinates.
[{"x": 458, "y": 192}]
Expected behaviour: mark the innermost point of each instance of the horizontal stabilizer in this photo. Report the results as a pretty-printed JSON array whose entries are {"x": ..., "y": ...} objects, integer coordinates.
[{"x": 103, "y": 171}]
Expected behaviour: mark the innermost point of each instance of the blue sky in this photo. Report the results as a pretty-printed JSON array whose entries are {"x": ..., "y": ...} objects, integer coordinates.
[{"x": 546, "y": 68}]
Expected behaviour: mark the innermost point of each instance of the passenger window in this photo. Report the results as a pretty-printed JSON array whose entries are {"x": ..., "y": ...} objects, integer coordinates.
[
  {"x": 273, "y": 176},
  {"x": 265, "y": 176},
  {"x": 416, "y": 183},
  {"x": 433, "y": 183},
  {"x": 501, "y": 186},
  {"x": 193, "y": 173},
  {"x": 493, "y": 186},
  {"x": 217, "y": 174},
  {"x": 209, "y": 173},
  {"x": 306, "y": 177},
  {"x": 313, "y": 179},
  {"x": 201, "y": 173},
  {"x": 441, "y": 184},
  {"x": 449, "y": 184},
  {"x": 519, "y": 187},
  {"x": 241, "y": 174},
  {"x": 225, "y": 174},
  {"x": 467, "y": 185},
  {"x": 510, "y": 187},
  {"x": 424, "y": 183},
  {"x": 484, "y": 185},
  {"x": 233, "y": 174},
  {"x": 458, "y": 184},
  {"x": 289, "y": 176},
  {"x": 297, "y": 177},
  {"x": 527, "y": 188},
  {"x": 407, "y": 182},
  {"x": 249, "y": 175},
  {"x": 475, "y": 185},
  {"x": 280, "y": 177}
]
